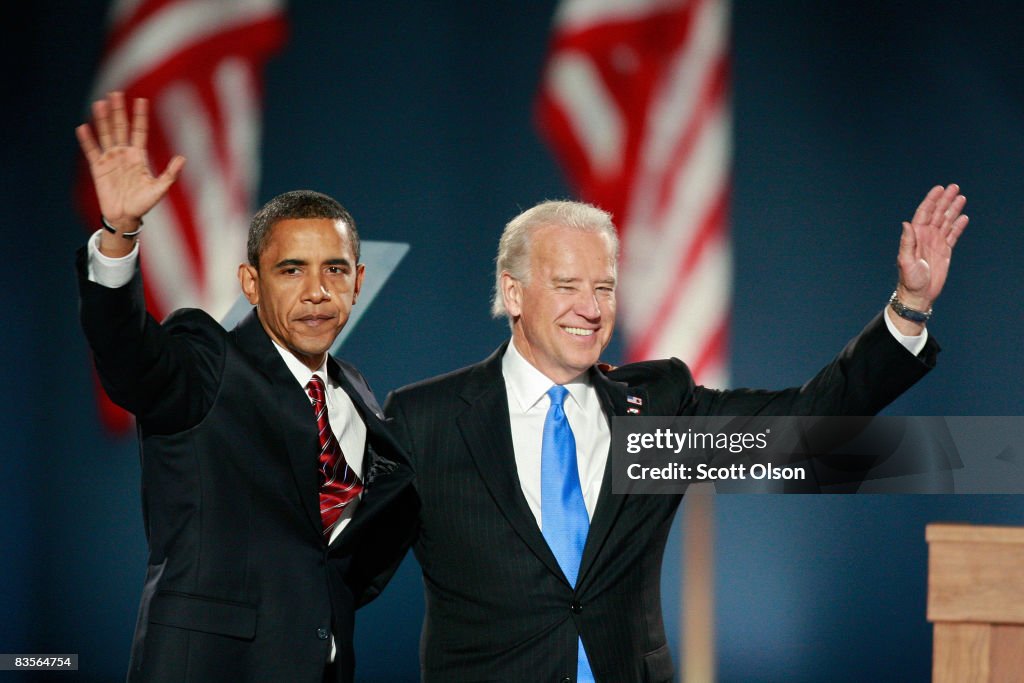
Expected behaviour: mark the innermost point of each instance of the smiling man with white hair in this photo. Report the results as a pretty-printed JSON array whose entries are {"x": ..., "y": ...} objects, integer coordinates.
[{"x": 533, "y": 569}]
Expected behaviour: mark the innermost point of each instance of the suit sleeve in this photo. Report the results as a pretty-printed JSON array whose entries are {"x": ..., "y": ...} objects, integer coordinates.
[
  {"x": 166, "y": 375},
  {"x": 868, "y": 374},
  {"x": 380, "y": 554},
  {"x": 396, "y": 422},
  {"x": 379, "y": 558}
]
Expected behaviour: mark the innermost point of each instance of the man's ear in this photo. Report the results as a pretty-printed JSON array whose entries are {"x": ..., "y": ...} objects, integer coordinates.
[
  {"x": 360, "y": 272},
  {"x": 249, "y": 278},
  {"x": 512, "y": 294}
]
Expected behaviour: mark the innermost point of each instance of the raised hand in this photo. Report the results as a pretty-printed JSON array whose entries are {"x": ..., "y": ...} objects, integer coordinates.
[
  {"x": 926, "y": 246},
  {"x": 125, "y": 185}
]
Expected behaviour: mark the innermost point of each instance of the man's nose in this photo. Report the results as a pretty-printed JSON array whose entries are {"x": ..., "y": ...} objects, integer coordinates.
[
  {"x": 588, "y": 306},
  {"x": 316, "y": 289}
]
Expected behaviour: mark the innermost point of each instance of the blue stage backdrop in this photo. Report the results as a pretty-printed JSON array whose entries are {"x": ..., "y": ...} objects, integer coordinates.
[{"x": 418, "y": 117}]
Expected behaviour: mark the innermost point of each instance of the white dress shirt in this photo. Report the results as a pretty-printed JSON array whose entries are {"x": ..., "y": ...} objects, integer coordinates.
[
  {"x": 528, "y": 405},
  {"x": 914, "y": 343}
]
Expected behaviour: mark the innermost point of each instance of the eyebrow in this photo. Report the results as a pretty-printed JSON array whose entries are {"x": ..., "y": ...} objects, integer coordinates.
[
  {"x": 300, "y": 262},
  {"x": 574, "y": 280}
]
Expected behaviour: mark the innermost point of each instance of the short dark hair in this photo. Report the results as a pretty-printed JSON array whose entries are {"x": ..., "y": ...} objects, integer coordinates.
[{"x": 296, "y": 204}]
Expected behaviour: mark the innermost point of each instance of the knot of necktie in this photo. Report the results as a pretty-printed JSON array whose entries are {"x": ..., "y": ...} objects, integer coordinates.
[
  {"x": 557, "y": 395},
  {"x": 315, "y": 388}
]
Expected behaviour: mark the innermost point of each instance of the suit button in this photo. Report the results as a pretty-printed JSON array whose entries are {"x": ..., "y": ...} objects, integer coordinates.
[
  {"x": 322, "y": 633},
  {"x": 576, "y": 607},
  {"x": 565, "y": 680}
]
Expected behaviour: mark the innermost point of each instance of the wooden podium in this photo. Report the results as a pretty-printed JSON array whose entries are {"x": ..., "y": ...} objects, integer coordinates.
[{"x": 976, "y": 602}]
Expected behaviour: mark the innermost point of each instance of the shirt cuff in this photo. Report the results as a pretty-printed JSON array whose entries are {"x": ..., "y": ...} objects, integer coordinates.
[
  {"x": 107, "y": 271},
  {"x": 914, "y": 343}
]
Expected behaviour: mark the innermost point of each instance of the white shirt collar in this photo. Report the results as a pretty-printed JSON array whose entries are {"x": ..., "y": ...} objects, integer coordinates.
[
  {"x": 299, "y": 370},
  {"x": 527, "y": 385}
]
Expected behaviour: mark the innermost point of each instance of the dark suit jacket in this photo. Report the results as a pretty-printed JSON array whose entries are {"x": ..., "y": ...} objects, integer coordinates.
[
  {"x": 498, "y": 608},
  {"x": 240, "y": 584}
]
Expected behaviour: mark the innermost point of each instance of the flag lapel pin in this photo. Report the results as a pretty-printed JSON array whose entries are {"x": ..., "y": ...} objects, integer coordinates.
[{"x": 635, "y": 403}]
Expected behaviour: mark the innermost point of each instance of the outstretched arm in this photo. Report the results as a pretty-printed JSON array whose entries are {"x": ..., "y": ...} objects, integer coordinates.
[
  {"x": 125, "y": 185},
  {"x": 926, "y": 247},
  {"x": 165, "y": 375}
]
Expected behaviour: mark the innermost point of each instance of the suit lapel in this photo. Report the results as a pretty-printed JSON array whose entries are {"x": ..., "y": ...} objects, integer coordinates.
[
  {"x": 355, "y": 387},
  {"x": 293, "y": 417},
  {"x": 615, "y": 401},
  {"x": 487, "y": 432}
]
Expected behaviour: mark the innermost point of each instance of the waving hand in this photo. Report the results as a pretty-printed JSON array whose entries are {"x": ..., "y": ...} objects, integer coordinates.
[
  {"x": 125, "y": 185},
  {"x": 926, "y": 248}
]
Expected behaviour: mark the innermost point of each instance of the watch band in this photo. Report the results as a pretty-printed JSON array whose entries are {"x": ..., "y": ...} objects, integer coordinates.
[
  {"x": 908, "y": 313},
  {"x": 113, "y": 231}
]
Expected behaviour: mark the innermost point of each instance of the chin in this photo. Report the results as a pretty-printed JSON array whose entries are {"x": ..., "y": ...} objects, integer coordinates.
[
  {"x": 581, "y": 365},
  {"x": 326, "y": 348},
  {"x": 312, "y": 349}
]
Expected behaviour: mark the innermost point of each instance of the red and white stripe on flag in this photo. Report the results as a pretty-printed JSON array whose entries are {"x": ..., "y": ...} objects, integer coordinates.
[
  {"x": 200, "y": 63},
  {"x": 635, "y": 103}
]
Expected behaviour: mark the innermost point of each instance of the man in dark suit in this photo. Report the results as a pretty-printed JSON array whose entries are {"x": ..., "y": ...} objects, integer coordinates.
[
  {"x": 533, "y": 569},
  {"x": 274, "y": 497}
]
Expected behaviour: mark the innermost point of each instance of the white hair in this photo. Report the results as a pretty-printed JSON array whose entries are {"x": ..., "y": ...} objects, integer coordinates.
[{"x": 514, "y": 246}]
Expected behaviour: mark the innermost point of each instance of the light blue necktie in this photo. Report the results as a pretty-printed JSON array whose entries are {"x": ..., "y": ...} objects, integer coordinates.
[{"x": 563, "y": 514}]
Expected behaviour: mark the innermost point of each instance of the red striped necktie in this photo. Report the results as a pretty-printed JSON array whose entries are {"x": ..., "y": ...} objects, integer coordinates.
[{"x": 335, "y": 491}]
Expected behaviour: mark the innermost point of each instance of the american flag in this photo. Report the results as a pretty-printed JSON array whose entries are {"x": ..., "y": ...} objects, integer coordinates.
[
  {"x": 199, "y": 62},
  {"x": 635, "y": 103}
]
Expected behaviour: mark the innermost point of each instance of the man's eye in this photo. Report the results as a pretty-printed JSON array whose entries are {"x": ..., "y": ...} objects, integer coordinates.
[
  {"x": 289, "y": 271},
  {"x": 335, "y": 270}
]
